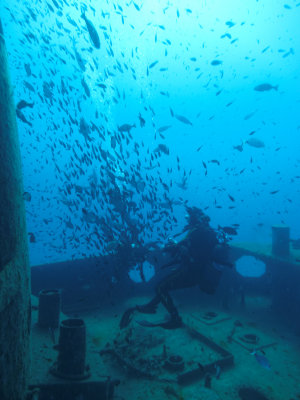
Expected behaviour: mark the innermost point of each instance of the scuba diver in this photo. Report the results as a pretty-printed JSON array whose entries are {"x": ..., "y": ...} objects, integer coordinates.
[{"x": 199, "y": 257}]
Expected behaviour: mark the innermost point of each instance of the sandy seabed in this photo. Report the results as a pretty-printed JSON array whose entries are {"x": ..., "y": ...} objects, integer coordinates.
[{"x": 280, "y": 382}]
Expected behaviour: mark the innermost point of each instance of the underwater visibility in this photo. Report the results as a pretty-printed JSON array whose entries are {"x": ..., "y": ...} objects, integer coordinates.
[{"x": 149, "y": 203}]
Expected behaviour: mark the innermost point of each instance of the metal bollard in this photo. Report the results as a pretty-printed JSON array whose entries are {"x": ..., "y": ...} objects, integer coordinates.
[
  {"x": 72, "y": 351},
  {"x": 49, "y": 308},
  {"x": 280, "y": 240}
]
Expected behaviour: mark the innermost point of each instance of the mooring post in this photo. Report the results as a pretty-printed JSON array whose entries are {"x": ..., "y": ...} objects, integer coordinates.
[
  {"x": 281, "y": 240},
  {"x": 15, "y": 310}
]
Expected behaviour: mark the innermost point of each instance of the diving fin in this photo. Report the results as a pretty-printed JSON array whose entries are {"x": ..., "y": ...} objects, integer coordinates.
[{"x": 126, "y": 318}]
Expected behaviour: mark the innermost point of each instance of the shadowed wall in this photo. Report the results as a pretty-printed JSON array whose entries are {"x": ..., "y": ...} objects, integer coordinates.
[{"x": 14, "y": 265}]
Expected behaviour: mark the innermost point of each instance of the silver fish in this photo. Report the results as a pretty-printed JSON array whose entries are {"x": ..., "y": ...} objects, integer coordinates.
[
  {"x": 79, "y": 59},
  {"x": 261, "y": 359},
  {"x": 163, "y": 128},
  {"x": 162, "y": 148},
  {"x": 253, "y": 142},
  {"x": 92, "y": 32},
  {"x": 264, "y": 87},
  {"x": 183, "y": 119}
]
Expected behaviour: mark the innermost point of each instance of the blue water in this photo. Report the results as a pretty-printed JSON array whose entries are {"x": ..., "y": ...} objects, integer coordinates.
[{"x": 72, "y": 212}]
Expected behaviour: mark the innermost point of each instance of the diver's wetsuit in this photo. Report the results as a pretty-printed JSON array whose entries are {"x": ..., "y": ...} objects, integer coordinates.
[
  {"x": 195, "y": 268},
  {"x": 195, "y": 256}
]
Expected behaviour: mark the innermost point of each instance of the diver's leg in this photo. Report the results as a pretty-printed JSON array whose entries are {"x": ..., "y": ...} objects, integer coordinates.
[
  {"x": 167, "y": 302},
  {"x": 177, "y": 280},
  {"x": 126, "y": 317},
  {"x": 148, "y": 308}
]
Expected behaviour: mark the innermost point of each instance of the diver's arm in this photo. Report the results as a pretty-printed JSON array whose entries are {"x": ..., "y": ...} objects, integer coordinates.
[{"x": 178, "y": 252}]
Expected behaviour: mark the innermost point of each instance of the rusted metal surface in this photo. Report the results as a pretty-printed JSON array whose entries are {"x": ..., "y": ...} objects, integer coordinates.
[{"x": 226, "y": 360}]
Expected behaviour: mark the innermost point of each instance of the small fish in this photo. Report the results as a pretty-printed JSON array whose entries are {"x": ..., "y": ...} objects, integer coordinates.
[
  {"x": 86, "y": 88},
  {"x": 113, "y": 142},
  {"x": 218, "y": 371},
  {"x": 27, "y": 69},
  {"x": 153, "y": 64},
  {"x": 226, "y": 35},
  {"x": 163, "y": 128},
  {"x": 78, "y": 57},
  {"x": 27, "y": 196},
  {"x": 31, "y": 237},
  {"x": 136, "y": 6},
  {"x": 253, "y": 142},
  {"x": 22, "y": 104},
  {"x": 102, "y": 85},
  {"x": 215, "y": 162},
  {"x": 230, "y": 24},
  {"x": 264, "y": 87},
  {"x": 22, "y": 117},
  {"x": 183, "y": 119},
  {"x": 29, "y": 86},
  {"x": 239, "y": 147},
  {"x": 56, "y": 4},
  {"x": 216, "y": 62},
  {"x": 142, "y": 121},
  {"x": 248, "y": 116},
  {"x": 261, "y": 359},
  {"x": 84, "y": 129},
  {"x": 162, "y": 148},
  {"x": 92, "y": 31},
  {"x": 126, "y": 128},
  {"x": 183, "y": 183}
]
